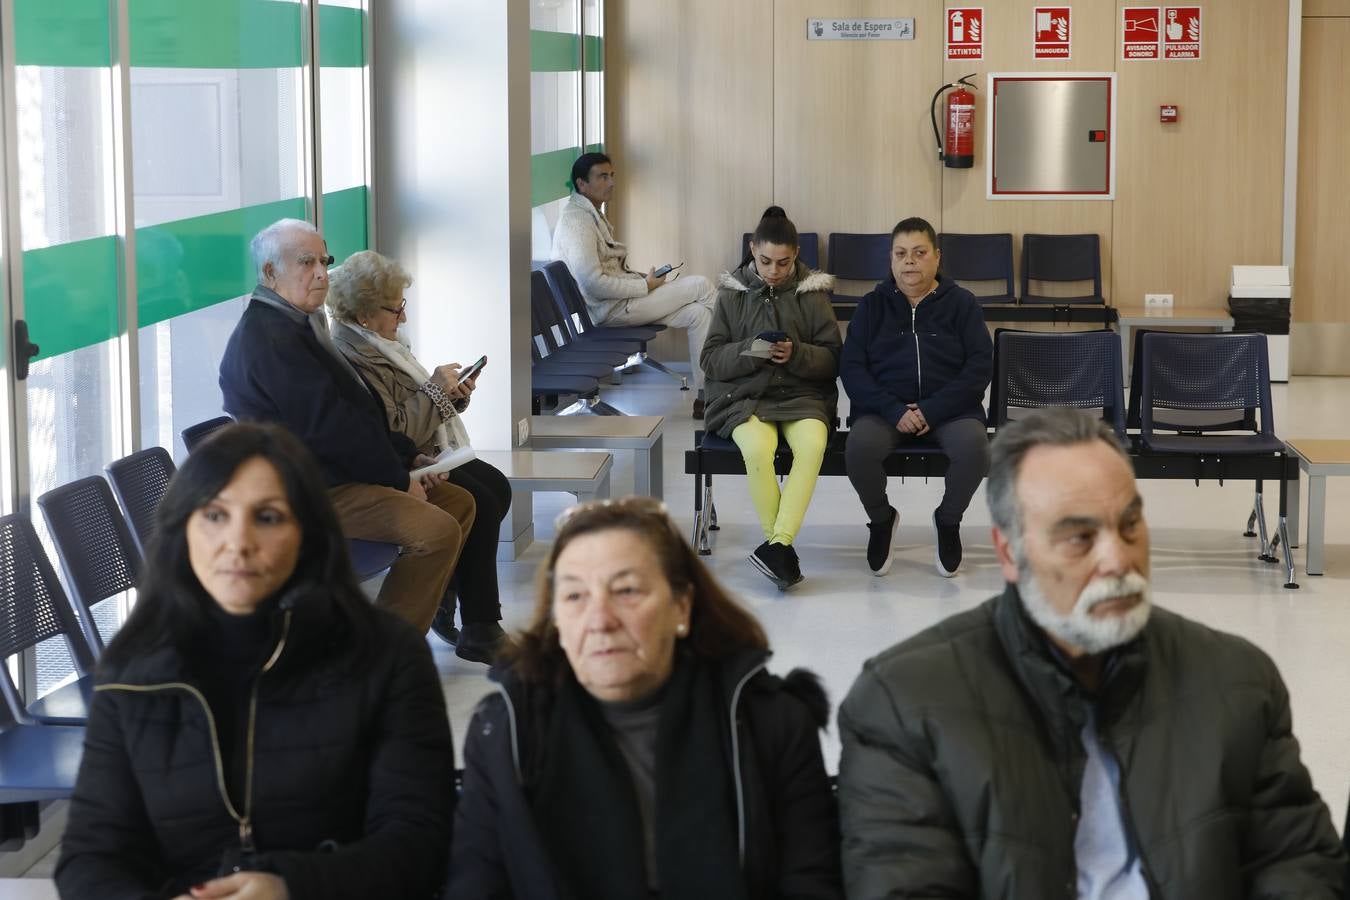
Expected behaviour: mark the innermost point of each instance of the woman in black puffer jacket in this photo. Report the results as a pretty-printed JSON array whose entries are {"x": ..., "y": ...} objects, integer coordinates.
[
  {"x": 638, "y": 746},
  {"x": 259, "y": 729}
]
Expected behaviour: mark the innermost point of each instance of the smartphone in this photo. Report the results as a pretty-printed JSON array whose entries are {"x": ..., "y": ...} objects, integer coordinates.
[
  {"x": 472, "y": 370},
  {"x": 663, "y": 271},
  {"x": 773, "y": 337}
]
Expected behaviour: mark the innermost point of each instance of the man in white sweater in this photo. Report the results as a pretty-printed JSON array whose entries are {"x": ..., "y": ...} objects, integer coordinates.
[{"x": 616, "y": 295}]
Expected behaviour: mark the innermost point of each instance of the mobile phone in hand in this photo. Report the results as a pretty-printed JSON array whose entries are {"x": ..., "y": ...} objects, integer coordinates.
[
  {"x": 472, "y": 370},
  {"x": 773, "y": 337},
  {"x": 663, "y": 271}
]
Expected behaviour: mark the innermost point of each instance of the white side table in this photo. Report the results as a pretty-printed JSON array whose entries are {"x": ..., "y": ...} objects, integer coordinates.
[{"x": 1318, "y": 459}]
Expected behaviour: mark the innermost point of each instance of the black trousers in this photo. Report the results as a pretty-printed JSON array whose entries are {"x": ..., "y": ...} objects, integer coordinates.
[
  {"x": 475, "y": 578},
  {"x": 871, "y": 438}
]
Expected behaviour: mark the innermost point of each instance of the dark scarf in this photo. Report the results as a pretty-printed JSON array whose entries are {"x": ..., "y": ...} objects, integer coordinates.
[{"x": 587, "y": 811}]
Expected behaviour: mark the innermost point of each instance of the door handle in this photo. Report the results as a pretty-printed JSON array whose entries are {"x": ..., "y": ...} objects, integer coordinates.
[{"x": 24, "y": 350}]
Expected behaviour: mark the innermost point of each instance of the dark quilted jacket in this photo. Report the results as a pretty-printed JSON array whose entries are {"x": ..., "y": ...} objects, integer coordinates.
[
  {"x": 962, "y": 766},
  {"x": 789, "y": 819},
  {"x": 741, "y": 386},
  {"x": 354, "y": 773}
]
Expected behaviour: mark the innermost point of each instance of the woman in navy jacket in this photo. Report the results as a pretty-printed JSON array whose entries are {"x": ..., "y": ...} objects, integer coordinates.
[{"x": 916, "y": 363}]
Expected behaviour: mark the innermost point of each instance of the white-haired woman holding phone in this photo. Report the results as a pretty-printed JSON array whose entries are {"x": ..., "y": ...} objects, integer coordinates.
[{"x": 367, "y": 304}]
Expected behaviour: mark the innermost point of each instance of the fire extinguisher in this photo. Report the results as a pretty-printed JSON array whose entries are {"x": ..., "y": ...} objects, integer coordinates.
[{"x": 960, "y": 152}]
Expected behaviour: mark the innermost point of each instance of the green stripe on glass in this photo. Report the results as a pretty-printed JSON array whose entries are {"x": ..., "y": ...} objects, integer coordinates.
[
  {"x": 595, "y": 53},
  {"x": 243, "y": 34},
  {"x": 554, "y": 51},
  {"x": 191, "y": 264},
  {"x": 70, "y": 290},
  {"x": 344, "y": 222},
  {"x": 61, "y": 33},
  {"x": 70, "y": 295},
  {"x": 201, "y": 34},
  {"x": 342, "y": 36},
  {"x": 550, "y": 173}
]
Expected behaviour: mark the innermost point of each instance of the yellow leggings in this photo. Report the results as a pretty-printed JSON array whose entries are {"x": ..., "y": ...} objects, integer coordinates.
[{"x": 781, "y": 513}]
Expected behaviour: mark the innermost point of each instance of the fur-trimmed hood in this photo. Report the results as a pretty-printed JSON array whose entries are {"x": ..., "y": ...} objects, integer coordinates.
[{"x": 746, "y": 279}]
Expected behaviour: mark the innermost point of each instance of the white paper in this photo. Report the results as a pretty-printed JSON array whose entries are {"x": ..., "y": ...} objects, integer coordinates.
[
  {"x": 760, "y": 349},
  {"x": 447, "y": 460}
]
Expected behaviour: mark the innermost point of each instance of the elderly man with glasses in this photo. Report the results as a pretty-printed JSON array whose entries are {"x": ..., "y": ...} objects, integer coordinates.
[{"x": 281, "y": 366}]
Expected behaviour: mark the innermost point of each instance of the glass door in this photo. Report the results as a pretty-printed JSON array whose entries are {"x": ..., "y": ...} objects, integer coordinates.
[{"x": 69, "y": 415}]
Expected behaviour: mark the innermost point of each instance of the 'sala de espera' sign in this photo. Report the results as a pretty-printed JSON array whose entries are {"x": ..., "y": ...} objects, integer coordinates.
[{"x": 860, "y": 29}]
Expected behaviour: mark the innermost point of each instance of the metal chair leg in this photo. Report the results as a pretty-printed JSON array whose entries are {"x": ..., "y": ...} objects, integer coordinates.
[
  {"x": 698, "y": 509},
  {"x": 703, "y": 546},
  {"x": 712, "y": 509},
  {"x": 1283, "y": 537},
  {"x": 660, "y": 367},
  {"x": 1259, "y": 510}
]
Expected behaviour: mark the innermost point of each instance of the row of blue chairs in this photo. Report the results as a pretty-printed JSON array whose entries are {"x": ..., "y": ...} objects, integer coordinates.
[
  {"x": 1201, "y": 404},
  {"x": 570, "y": 354},
  {"x": 100, "y": 543},
  {"x": 969, "y": 258},
  {"x": 100, "y": 548}
]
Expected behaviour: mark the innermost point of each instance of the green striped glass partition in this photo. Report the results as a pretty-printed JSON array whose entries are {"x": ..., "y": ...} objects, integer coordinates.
[{"x": 71, "y": 290}]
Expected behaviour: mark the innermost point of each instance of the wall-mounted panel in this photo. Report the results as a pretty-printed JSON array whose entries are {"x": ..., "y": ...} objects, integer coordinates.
[{"x": 1052, "y": 136}]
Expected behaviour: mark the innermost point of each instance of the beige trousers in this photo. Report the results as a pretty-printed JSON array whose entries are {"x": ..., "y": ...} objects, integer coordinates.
[{"x": 431, "y": 532}]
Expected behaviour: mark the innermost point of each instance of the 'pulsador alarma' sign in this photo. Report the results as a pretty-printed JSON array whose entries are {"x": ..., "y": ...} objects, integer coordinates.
[{"x": 860, "y": 29}]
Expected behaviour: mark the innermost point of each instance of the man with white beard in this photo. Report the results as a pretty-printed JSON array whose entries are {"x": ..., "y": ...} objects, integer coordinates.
[{"x": 1066, "y": 738}]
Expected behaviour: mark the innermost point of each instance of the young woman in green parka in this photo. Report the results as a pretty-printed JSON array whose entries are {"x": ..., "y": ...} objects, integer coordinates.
[{"x": 752, "y": 399}]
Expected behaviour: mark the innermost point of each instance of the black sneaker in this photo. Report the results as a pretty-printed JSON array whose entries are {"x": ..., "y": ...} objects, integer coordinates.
[
  {"x": 881, "y": 543},
  {"x": 948, "y": 547},
  {"x": 774, "y": 562},
  {"x": 794, "y": 563},
  {"x": 443, "y": 626},
  {"x": 480, "y": 642}
]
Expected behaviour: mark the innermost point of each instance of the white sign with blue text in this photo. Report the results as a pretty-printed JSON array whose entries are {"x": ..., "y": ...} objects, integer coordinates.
[{"x": 860, "y": 29}]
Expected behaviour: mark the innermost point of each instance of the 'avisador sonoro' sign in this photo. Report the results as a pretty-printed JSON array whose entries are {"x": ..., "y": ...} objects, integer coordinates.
[{"x": 860, "y": 29}]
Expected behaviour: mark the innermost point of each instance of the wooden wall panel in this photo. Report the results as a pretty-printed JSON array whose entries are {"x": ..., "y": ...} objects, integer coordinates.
[
  {"x": 689, "y": 124},
  {"x": 1324, "y": 150},
  {"x": 1205, "y": 193},
  {"x": 718, "y": 109},
  {"x": 851, "y": 122},
  {"x": 1008, "y": 48},
  {"x": 1326, "y": 8}
]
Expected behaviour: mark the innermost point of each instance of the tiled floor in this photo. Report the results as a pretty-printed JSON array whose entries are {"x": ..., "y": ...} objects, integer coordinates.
[{"x": 841, "y": 614}]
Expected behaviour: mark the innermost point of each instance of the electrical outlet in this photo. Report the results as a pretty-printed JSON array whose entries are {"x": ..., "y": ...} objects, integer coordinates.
[
  {"x": 522, "y": 432},
  {"x": 1158, "y": 300}
]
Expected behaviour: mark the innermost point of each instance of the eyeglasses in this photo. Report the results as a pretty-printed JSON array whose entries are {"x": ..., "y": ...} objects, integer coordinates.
[
  {"x": 396, "y": 310},
  {"x": 645, "y": 506}
]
